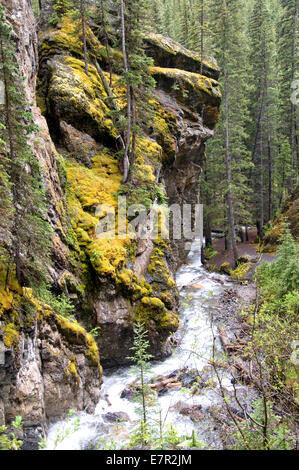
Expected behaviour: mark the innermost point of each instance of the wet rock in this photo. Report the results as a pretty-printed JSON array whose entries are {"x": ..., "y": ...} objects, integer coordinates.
[
  {"x": 240, "y": 413},
  {"x": 189, "y": 377},
  {"x": 173, "y": 55},
  {"x": 193, "y": 411},
  {"x": 128, "y": 393},
  {"x": 116, "y": 417},
  {"x": 80, "y": 145}
]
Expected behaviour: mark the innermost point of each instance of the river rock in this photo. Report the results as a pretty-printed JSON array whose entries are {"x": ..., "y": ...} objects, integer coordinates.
[{"x": 116, "y": 417}]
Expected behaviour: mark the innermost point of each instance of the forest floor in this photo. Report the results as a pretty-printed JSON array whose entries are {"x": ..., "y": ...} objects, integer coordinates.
[{"x": 247, "y": 249}]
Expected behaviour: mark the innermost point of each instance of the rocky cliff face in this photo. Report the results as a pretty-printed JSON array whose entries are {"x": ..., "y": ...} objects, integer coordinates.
[{"x": 52, "y": 364}]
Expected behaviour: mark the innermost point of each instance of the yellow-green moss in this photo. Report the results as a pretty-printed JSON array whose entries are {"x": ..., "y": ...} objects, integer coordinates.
[
  {"x": 72, "y": 369},
  {"x": 173, "y": 48},
  {"x": 153, "y": 302},
  {"x": 87, "y": 188},
  {"x": 73, "y": 328},
  {"x": 158, "y": 268},
  {"x": 225, "y": 268},
  {"x": 11, "y": 335},
  {"x": 164, "y": 319},
  {"x": 165, "y": 136},
  {"x": 6, "y": 299},
  {"x": 190, "y": 81},
  {"x": 240, "y": 271},
  {"x": 80, "y": 94}
]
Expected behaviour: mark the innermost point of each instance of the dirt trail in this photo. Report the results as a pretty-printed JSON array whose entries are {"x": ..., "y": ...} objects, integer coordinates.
[{"x": 247, "y": 248}]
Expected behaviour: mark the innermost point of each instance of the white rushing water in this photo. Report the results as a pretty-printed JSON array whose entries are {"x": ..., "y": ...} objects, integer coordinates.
[{"x": 200, "y": 293}]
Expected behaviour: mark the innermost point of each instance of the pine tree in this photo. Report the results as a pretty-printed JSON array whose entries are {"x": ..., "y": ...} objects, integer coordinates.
[
  {"x": 29, "y": 232},
  {"x": 263, "y": 109},
  {"x": 288, "y": 63},
  {"x": 141, "y": 358},
  {"x": 229, "y": 40},
  {"x": 134, "y": 15}
]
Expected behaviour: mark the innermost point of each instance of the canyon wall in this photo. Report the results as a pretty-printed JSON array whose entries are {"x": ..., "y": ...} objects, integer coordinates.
[{"x": 51, "y": 363}]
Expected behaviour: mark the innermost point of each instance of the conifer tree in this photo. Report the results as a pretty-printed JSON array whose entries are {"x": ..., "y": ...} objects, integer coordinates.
[
  {"x": 29, "y": 232},
  {"x": 141, "y": 358},
  {"x": 134, "y": 15},
  {"x": 288, "y": 64}
]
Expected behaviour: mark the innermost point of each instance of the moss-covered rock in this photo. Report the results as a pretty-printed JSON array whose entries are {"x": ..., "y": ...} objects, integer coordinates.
[
  {"x": 173, "y": 55},
  {"x": 51, "y": 363},
  {"x": 78, "y": 99},
  {"x": 290, "y": 215},
  {"x": 198, "y": 93}
]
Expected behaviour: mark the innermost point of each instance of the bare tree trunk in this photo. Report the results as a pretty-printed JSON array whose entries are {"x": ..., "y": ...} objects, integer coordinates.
[
  {"x": 201, "y": 36},
  {"x": 111, "y": 96},
  {"x": 83, "y": 20},
  {"x": 129, "y": 110},
  {"x": 262, "y": 217},
  {"x": 293, "y": 106},
  {"x": 134, "y": 122},
  {"x": 106, "y": 40},
  {"x": 246, "y": 233},
  {"x": 269, "y": 172},
  {"x": 231, "y": 218}
]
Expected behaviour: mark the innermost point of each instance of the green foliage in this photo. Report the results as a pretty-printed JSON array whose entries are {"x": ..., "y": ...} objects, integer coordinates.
[
  {"x": 282, "y": 276},
  {"x": 210, "y": 252},
  {"x": 276, "y": 324},
  {"x": 72, "y": 426},
  {"x": 95, "y": 332},
  {"x": 145, "y": 194},
  {"x": 8, "y": 440},
  {"x": 60, "y": 9},
  {"x": 141, "y": 434},
  {"x": 278, "y": 434},
  {"x": 61, "y": 304}
]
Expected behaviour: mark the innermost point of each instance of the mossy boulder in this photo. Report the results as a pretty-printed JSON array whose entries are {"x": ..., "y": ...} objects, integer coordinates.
[
  {"x": 290, "y": 215},
  {"x": 199, "y": 94},
  {"x": 52, "y": 363},
  {"x": 78, "y": 99},
  {"x": 173, "y": 55}
]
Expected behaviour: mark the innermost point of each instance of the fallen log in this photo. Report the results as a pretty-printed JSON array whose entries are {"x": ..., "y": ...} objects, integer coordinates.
[
  {"x": 175, "y": 384},
  {"x": 241, "y": 368},
  {"x": 163, "y": 383},
  {"x": 219, "y": 364},
  {"x": 224, "y": 338}
]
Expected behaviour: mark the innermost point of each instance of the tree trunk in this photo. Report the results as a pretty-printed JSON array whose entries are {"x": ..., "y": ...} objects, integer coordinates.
[
  {"x": 246, "y": 233},
  {"x": 269, "y": 174},
  {"x": 106, "y": 40},
  {"x": 262, "y": 218},
  {"x": 231, "y": 219},
  {"x": 111, "y": 96},
  {"x": 201, "y": 36},
  {"x": 293, "y": 106},
  {"x": 82, "y": 12},
  {"x": 129, "y": 107},
  {"x": 134, "y": 122}
]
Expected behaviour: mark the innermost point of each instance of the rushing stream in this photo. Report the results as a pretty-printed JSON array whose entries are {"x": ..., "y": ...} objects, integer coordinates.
[{"x": 200, "y": 293}]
